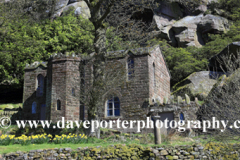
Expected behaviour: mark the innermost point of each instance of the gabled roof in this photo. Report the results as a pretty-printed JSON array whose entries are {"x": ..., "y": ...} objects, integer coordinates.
[{"x": 135, "y": 52}]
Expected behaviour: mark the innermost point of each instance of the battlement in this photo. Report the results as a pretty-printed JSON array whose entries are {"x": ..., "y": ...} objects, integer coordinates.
[
  {"x": 36, "y": 64},
  {"x": 66, "y": 55}
]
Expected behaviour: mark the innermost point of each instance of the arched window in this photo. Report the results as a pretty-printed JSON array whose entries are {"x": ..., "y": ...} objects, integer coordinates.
[
  {"x": 181, "y": 117},
  {"x": 58, "y": 105},
  {"x": 40, "y": 85},
  {"x": 34, "y": 108},
  {"x": 130, "y": 65},
  {"x": 113, "y": 106},
  {"x": 73, "y": 92},
  {"x": 154, "y": 78}
]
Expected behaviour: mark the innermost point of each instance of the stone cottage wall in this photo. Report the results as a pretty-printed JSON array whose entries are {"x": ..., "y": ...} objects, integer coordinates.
[
  {"x": 132, "y": 93},
  {"x": 65, "y": 77},
  {"x": 162, "y": 77},
  {"x": 73, "y": 89},
  {"x": 30, "y": 88}
]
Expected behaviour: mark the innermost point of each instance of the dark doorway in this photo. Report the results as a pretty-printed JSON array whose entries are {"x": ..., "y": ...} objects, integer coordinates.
[
  {"x": 170, "y": 117},
  {"x": 82, "y": 115},
  {"x": 43, "y": 112}
]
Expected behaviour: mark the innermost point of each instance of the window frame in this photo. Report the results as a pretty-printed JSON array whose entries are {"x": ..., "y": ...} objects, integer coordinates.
[
  {"x": 40, "y": 85},
  {"x": 73, "y": 92},
  {"x": 59, "y": 107},
  {"x": 130, "y": 68},
  {"x": 113, "y": 102},
  {"x": 35, "y": 105},
  {"x": 181, "y": 117}
]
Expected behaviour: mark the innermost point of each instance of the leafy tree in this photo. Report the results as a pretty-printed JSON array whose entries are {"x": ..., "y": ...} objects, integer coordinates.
[
  {"x": 232, "y": 6},
  {"x": 27, "y": 42},
  {"x": 122, "y": 16},
  {"x": 180, "y": 61}
]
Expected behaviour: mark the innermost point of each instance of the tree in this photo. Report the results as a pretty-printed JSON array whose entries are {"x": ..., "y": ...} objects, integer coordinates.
[
  {"x": 122, "y": 16},
  {"x": 24, "y": 42},
  {"x": 16, "y": 44}
]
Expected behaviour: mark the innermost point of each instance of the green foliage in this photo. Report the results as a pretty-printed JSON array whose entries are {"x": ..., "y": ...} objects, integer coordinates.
[
  {"x": 25, "y": 42},
  {"x": 232, "y": 6},
  {"x": 22, "y": 42},
  {"x": 180, "y": 62},
  {"x": 215, "y": 45}
]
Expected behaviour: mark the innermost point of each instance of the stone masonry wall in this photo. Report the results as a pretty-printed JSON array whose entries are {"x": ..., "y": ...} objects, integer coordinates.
[
  {"x": 30, "y": 88},
  {"x": 123, "y": 152},
  {"x": 162, "y": 77},
  {"x": 59, "y": 70},
  {"x": 65, "y": 77},
  {"x": 189, "y": 111},
  {"x": 132, "y": 93},
  {"x": 73, "y": 90},
  {"x": 62, "y": 75}
]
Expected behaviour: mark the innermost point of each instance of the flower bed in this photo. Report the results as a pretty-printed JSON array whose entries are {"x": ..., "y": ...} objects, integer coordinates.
[{"x": 42, "y": 138}]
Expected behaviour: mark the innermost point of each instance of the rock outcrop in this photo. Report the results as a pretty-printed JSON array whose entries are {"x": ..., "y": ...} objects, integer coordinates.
[
  {"x": 184, "y": 27},
  {"x": 80, "y": 8},
  {"x": 198, "y": 84}
]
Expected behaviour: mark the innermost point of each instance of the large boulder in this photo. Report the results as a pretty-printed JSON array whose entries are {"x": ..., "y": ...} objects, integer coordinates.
[
  {"x": 189, "y": 31},
  {"x": 186, "y": 23},
  {"x": 185, "y": 31},
  {"x": 60, "y": 4},
  {"x": 80, "y": 8},
  {"x": 198, "y": 84}
]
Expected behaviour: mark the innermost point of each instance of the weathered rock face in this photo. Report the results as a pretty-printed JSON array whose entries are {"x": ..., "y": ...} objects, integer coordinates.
[
  {"x": 198, "y": 84},
  {"x": 184, "y": 27},
  {"x": 59, "y": 7},
  {"x": 80, "y": 8}
]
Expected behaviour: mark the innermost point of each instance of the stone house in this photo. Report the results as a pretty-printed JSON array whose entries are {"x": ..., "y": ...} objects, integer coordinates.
[{"x": 52, "y": 89}]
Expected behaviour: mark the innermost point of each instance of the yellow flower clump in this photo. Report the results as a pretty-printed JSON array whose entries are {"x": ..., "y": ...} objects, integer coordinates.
[{"x": 43, "y": 138}]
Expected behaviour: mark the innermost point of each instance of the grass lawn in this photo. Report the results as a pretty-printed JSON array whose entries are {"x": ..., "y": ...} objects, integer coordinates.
[
  {"x": 18, "y": 147},
  {"x": 176, "y": 140},
  {"x": 10, "y": 106}
]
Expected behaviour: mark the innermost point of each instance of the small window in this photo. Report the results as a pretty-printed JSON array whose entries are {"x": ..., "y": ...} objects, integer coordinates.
[
  {"x": 34, "y": 108},
  {"x": 154, "y": 76},
  {"x": 40, "y": 85},
  {"x": 113, "y": 107},
  {"x": 73, "y": 92},
  {"x": 58, "y": 105},
  {"x": 181, "y": 117},
  {"x": 130, "y": 68}
]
